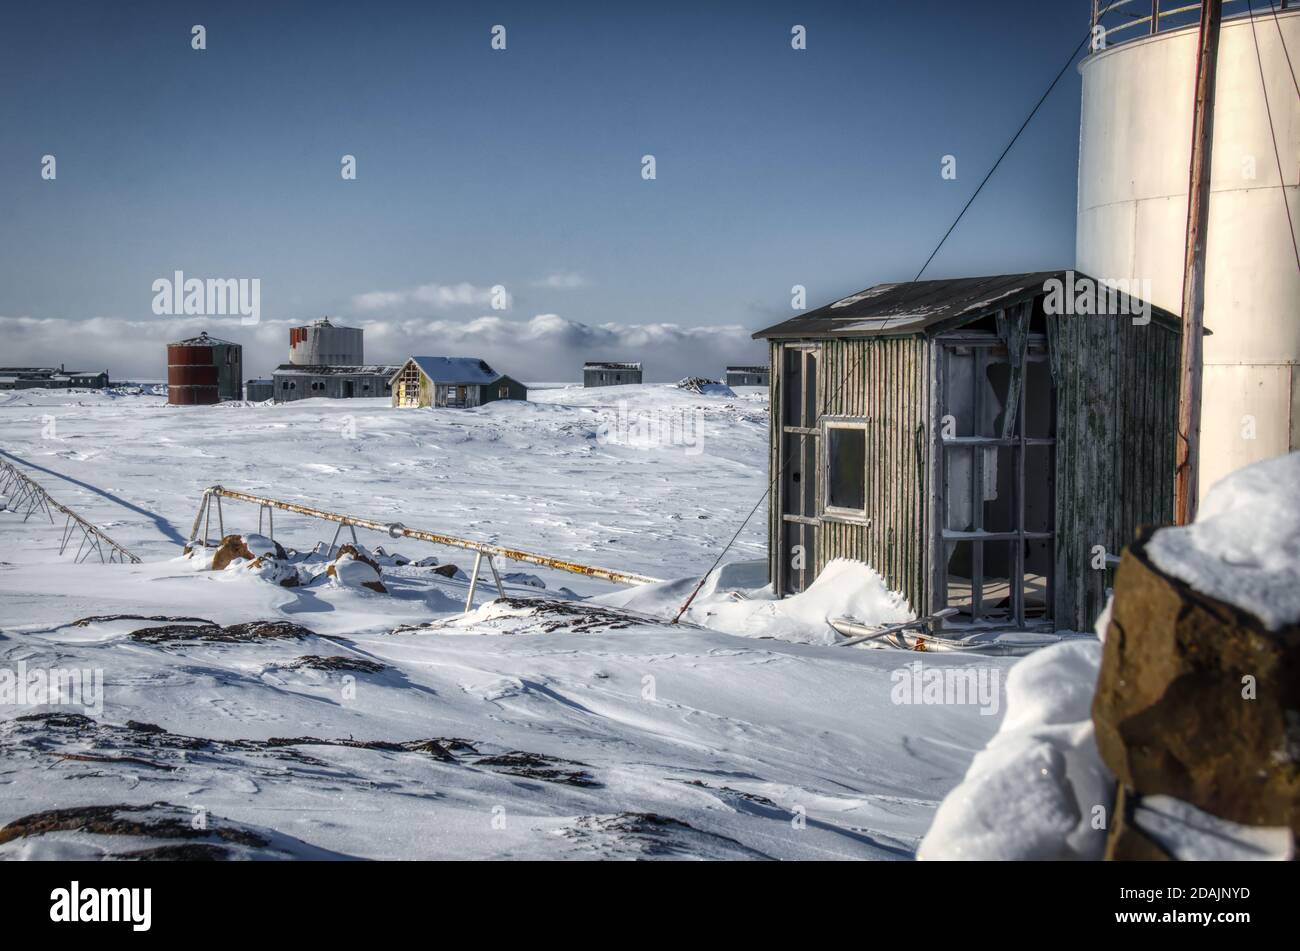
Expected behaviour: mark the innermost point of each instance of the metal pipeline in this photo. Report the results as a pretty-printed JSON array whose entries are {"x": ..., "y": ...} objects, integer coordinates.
[{"x": 397, "y": 530}]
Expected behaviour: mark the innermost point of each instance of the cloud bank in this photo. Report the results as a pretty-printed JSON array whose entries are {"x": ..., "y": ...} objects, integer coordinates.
[{"x": 546, "y": 348}]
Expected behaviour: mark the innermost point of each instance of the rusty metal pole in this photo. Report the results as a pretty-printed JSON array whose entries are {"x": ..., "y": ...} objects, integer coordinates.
[{"x": 1198, "y": 208}]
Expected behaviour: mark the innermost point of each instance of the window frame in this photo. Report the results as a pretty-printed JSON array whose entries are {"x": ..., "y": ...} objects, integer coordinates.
[{"x": 835, "y": 513}]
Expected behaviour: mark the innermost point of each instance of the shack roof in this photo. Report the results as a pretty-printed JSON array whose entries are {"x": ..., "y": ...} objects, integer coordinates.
[
  {"x": 914, "y": 307},
  {"x": 203, "y": 340},
  {"x": 605, "y": 365},
  {"x": 311, "y": 369},
  {"x": 461, "y": 371}
]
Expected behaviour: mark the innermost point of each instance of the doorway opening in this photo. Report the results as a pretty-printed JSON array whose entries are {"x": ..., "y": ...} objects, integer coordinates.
[
  {"x": 997, "y": 467},
  {"x": 798, "y": 455}
]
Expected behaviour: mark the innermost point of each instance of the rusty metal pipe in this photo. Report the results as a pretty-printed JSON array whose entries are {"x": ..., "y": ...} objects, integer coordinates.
[{"x": 397, "y": 530}]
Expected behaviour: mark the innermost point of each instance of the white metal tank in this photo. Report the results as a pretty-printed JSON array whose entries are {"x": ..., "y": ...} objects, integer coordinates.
[
  {"x": 1134, "y": 151},
  {"x": 323, "y": 344}
]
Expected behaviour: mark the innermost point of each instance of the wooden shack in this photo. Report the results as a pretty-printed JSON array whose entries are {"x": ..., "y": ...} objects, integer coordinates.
[
  {"x": 610, "y": 374},
  {"x": 452, "y": 382},
  {"x": 988, "y": 444}
]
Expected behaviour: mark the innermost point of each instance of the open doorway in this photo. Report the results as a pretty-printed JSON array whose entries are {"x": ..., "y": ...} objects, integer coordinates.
[
  {"x": 997, "y": 482},
  {"x": 799, "y": 452}
]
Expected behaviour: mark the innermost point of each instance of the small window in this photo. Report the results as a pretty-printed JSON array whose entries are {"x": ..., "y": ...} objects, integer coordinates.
[{"x": 845, "y": 467}]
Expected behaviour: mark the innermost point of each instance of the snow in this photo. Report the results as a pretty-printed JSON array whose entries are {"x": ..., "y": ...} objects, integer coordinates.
[
  {"x": 1244, "y": 547},
  {"x": 1040, "y": 789},
  {"x": 467, "y": 370},
  {"x": 1192, "y": 835},
  {"x": 738, "y": 599},
  {"x": 566, "y": 726},
  {"x": 1033, "y": 793}
]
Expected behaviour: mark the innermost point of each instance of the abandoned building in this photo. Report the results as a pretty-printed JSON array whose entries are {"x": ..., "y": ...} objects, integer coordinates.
[
  {"x": 979, "y": 447},
  {"x": 457, "y": 382},
  {"x": 747, "y": 376},
  {"x": 328, "y": 361},
  {"x": 258, "y": 391},
  {"x": 292, "y": 382},
  {"x": 610, "y": 374},
  {"x": 203, "y": 370},
  {"x": 324, "y": 344},
  {"x": 51, "y": 378}
]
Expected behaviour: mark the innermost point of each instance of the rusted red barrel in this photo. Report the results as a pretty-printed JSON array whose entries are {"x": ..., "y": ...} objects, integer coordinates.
[{"x": 191, "y": 375}]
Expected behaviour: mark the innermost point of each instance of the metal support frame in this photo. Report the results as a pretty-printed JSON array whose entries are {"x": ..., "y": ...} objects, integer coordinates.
[
  {"x": 396, "y": 530},
  {"x": 29, "y": 495}
]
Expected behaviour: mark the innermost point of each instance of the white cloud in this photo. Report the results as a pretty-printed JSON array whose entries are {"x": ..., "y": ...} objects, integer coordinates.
[
  {"x": 436, "y": 296},
  {"x": 547, "y": 347}
]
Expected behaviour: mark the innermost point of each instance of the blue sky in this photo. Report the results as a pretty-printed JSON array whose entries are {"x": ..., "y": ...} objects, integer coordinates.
[{"x": 477, "y": 167}]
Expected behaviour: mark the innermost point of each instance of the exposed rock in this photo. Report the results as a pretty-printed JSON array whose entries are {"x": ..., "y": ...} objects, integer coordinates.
[
  {"x": 449, "y": 571},
  {"x": 353, "y": 568},
  {"x": 648, "y": 835},
  {"x": 232, "y": 547},
  {"x": 549, "y": 769},
  {"x": 258, "y": 553},
  {"x": 159, "y": 831},
  {"x": 102, "y": 618},
  {"x": 248, "y": 632},
  {"x": 1197, "y": 700},
  {"x": 158, "y": 821},
  {"x": 313, "y": 662},
  {"x": 359, "y": 555}
]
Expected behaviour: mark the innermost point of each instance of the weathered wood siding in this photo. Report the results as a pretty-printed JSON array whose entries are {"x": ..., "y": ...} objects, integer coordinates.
[
  {"x": 1117, "y": 420},
  {"x": 773, "y": 458},
  {"x": 886, "y": 382}
]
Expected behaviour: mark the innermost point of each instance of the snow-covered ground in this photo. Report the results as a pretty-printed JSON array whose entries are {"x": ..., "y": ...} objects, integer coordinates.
[{"x": 387, "y": 725}]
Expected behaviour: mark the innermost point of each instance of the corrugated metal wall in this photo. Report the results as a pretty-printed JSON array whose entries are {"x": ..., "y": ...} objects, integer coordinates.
[
  {"x": 884, "y": 381},
  {"x": 1117, "y": 424}
]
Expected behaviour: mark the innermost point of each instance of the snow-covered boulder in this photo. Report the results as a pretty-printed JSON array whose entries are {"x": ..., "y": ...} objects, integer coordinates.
[
  {"x": 1199, "y": 688},
  {"x": 1188, "y": 696},
  {"x": 253, "y": 554},
  {"x": 354, "y": 568}
]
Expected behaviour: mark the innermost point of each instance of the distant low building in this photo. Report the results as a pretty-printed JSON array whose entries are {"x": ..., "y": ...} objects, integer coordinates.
[
  {"x": 451, "y": 382},
  {"x": 258, "y": 391},
  {"x": 747, "y": 376},
  {"x": 610, "y": 374},
  {"x": 293, "y": 381},
  {"x": 51, "y": 378}
]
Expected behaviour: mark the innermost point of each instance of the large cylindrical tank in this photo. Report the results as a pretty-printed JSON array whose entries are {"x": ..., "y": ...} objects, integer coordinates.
[
  {"x": 323, "y": 344},
  {"x": 203, "y": 370},
  {"x": 1134, "y": 152}
]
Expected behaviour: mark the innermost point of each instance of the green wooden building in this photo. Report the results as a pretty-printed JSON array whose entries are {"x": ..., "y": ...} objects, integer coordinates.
[{"x": 988, "y": 444}]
